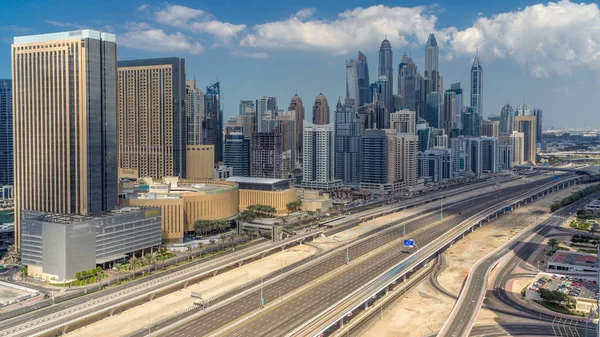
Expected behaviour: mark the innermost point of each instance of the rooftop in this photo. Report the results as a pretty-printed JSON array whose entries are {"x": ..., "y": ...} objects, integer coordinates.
[
  {"x": 252, "y": 180},
  {"x": 572, "y": 258},
  {"x": 76, "y": 34}
]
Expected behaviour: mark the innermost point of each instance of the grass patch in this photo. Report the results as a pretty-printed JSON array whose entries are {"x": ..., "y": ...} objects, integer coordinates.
[
  {"x": 583, "y": 226},
  {"x": 557, "y": 308}
]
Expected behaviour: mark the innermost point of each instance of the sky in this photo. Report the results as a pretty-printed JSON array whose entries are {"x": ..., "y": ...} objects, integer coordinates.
[{"x": 544, "y": 54}]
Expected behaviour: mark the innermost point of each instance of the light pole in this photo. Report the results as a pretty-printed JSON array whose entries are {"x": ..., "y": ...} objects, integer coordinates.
[
  {"x": 347, "y": 253},
  {"x": 262, "y": 300},
  {"x": 442, "y": 208}
]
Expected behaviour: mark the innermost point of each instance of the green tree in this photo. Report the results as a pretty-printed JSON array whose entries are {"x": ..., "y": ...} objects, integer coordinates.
[
  {"x": 24, "y": 272},
  {"x": 133, "y": 264},
  {"x": 150, "y": 259},
  {"x": 78, "y": 276},
  {"x": 247, "y": 216},
  {"x": 553, "y": 244}
]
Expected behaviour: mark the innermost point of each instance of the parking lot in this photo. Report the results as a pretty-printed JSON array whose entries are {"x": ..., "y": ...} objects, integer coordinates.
[{"x": 575, "y": 286}]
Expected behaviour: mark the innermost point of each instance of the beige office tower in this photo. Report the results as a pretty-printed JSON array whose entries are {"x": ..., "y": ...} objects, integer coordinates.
[
  {"x": 407, "y": 148},
  {"x": 404, "y": 121},
  {"x": 152, "y": 118},
  {"x": 528, "y": 126},
  {"x": 321, "y": 110},
  {"x": 64, "y": 118},
  {"x": 297, "y": 106},
  {"x": 194, "y": 107},
  {"x": 517, "y": 141},
  {"x": 490, "y": 128}
]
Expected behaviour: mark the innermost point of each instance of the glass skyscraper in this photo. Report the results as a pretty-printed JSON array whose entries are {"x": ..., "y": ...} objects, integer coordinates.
[
  {"x": 364, "y": 90},
  {"x": 386, "y": 69},
  {"x": 236, "y": 153},
  {"x": 477, "y": 86},
  {"x": 212, "y": 126},
  {"x": 6, "y": 133}
]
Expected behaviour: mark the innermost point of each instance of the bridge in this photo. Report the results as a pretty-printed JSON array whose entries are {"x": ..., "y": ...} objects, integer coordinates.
[{"x": 592, "y": 171}]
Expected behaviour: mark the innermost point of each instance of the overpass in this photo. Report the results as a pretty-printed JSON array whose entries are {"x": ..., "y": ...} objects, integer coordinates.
[{"x": 592, "y": 171}]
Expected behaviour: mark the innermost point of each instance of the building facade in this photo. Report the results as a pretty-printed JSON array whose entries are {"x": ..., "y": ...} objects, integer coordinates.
[
  {"x": 320, "y": 111},
  {"x": 406, "y": 160},
  {"x": 471, "y": 122},
  {"x": 318, "y": 167},
  {"x": 386, "y": 69},
  {"x": 490, "y": 128},
  {"x": 477, "y": 85},
  {"x": 364, "y": 91},
  {"x": 6, "y": 133},
  {"x": 297, "y": 107},
  {"x": 404, "y": 121},
  {"x": 194, "y": 107},
  {"x": 517, "y": 142},
  {"x": 212, "y": 126},
  {"x": 152, "y": 117},
  {"x": 374, "y": 167},
  {"x": 507, "y": 120},
  {"x": 505, "y": 157},
  {"x": 199, "y": 161},
  {"x": 66, "y": 161},
  {"x": 352, "y": 82},
  {"x": 266, "y": 155},
  {"x": 435, "y": 165},
  {"x": 236, "y": 153},
  {"x": 347, "y": 143},
  {"x": 432, "y": 64},
  {"x": 528, "y": 126}
]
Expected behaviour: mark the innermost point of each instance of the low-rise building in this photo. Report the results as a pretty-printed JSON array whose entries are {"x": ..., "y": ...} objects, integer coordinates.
[
  {"x": 57, "y": 246},
  {"x": 314, "y": 201},
  {"x": 264, "y": 191},
  {"x": 566, "y": 262},
  {"x": 182, "y": 201}
]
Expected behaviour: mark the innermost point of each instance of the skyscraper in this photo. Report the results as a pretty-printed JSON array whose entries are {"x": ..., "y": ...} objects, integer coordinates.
[
  {"x": 435, "y": 165},
  {"x": 409, "y": 85},
  {"x": 407, "y": 158},
  {"x": 65, "y": 160},
  {"x": 286, "y": 126},
  {"x": 6, "y": 133},
  {"x": 402, "y": 72},
  {"x": 457, "y": 98},
  {"x": 318, "y": 168},
  {"x": 528, "y": 126},
  {"x": 517, "y": 142},
  {"x": 507, "y": 120},
  {"x": 448, "y": 115},
  {"x": 484, "y": 154},
  {"x": 297, "y": 106},
  {"x": 347, "y": 143},
  {"x": 247, "y": 107},
  {"x": 433, "y": 109},
  {"x": 364, "y": 91},
  {"x": 266, "y": 151},
  {"x": 236, "y": 153},
  {"x": 477, "y": 86},
  {"x": 152, "y": 117},
  {"x": 471, "y": 122},
  {"x": 352, "y": 91},
  {"x": 404, "y": 121},
  {"x": 382, "y": 116},
  {"x": 194, "y": 106},
  {"x": 374, "y": 167},
  {"x": 212, "y": 127},
  {"x": 432, "y": 63},
  {"x": 490, "y": 128},
  {"x": 538, "y": 113},
  {"x": 386, "y": 69},
  {"x": 321, "y": 110},
  {"x": 265, "y": 105}
]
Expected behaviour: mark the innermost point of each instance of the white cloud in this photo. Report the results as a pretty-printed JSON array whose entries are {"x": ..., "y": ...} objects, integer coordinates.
[
  {"x": 217, "y": 28},
  {"x": 135, "y": 26},
  {"x": 143, "y": 7},
  {"x": 177, "y": 16},
  {"x": 544, "y": 39},
  {"x": 259, "y": 56},
  {"x": 158, "y": 40},
  {"x": 67, "y": 25},
  {"x": 353, "y": 29},
  {"x": 196, "y": 20},
  {"x": 305, "y": 13}
]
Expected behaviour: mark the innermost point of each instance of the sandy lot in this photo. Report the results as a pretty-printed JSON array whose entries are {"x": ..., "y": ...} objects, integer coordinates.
[
  {"x": 7, "y": 293},
  {"x": 425, "y": 310}
]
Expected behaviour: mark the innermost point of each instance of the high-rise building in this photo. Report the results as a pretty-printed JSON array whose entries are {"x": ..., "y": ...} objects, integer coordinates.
[
  {"x": 247, "y": 107},
  {"x": 402, "y": 72},
  {"x": 507, "y": 120},
  {"x": 386, "y": 69},
  {"x": 364, "y": 91},
  {"x": 66, "y": 161},
  {"x": 383, "y": 89},
  {"x": 212, "y": 127},
  {"x": 236, "y": 153},
  {"x": 409, "y": 85},
  {"x": 374, "y": 166},
  {"x": 266, "y": 155},
  {"x": 286, "y": 125},
  {"x": 194, "y": 106},
  {"x": 241, "y": 123},
  {"x": 265, "y": 105},
  {"x": 453, "y": 108},
  {"x": 433, "y": 101},
  {"x": 490, "y": 129},
  {"x": 528, "y": 125},
  {"x": 424, "y": 88},
  {"x": 152, "y": 117},
  {"x": 404, "y": 121},
  {"x": 435, "y": 165},
  {"x": 6, "y": 133},
  {"x": 517, "y": 142},
  {"x": 477, "y": 85},
  {"x": 523, "y": 110},
  {"x": 366, "y": 114},
  {"x": 471, "y": 122},
  {"x": 352, "y": 82},
  {"x": 407, "y": 159},
  {"x": 297, "y": 106},
  {"x": 318, "y": 167},
  {"x": 347, "y": 143},
  {"x": 505, "y": 157},
  {"x": 461, "y": 155},
  {"x": 432, "y": 64},
  {"x": 538, "y": 113},
  {"x": 484, "y": 154},
  {"x": 320, "y": 110}
]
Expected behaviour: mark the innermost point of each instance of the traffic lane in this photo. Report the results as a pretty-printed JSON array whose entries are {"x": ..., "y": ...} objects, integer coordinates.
[
  {"x": 481, "y": 204},
  {"x": 531, "y": 330},
  {"x": 469, "y": 305}
]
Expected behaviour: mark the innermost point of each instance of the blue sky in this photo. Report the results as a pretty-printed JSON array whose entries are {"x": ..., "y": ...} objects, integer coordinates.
[{"x": 547, "y": 54}]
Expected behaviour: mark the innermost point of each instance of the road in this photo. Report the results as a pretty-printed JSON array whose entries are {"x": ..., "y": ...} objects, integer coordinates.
[
  {"x": 463, "y": 316},
  {"x": 289, "y": 314}
]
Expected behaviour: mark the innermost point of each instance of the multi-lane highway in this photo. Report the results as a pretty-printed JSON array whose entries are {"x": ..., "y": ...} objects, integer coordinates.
[
  {"x": 290, "y": 313},
  {"x": 464, "y": 313}
]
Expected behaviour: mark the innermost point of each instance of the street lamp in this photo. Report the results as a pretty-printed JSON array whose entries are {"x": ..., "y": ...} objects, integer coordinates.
[{"x": 262, "y": 300}]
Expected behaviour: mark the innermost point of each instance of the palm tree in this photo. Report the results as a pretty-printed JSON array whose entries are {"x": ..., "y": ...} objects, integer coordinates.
[
  {"x": 133, "y": 264},
  {"x": 118, "y": 266},
  {"x": 189, "y": 250},
  {"x": 150, "y": 259},
  {"x": 553, "y": 244}
]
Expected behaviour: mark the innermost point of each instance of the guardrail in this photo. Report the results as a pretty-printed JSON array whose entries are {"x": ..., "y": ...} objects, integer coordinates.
[
  {"x": 339, "y": 310},
  {"x": 146, "y": 289}
]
